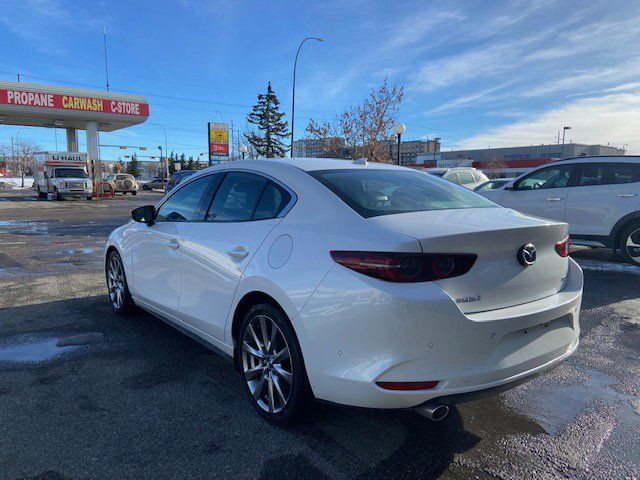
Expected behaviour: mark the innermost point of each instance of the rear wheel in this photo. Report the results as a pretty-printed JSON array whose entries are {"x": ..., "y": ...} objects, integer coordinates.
[
  {"x": 119, "y": 295},
  {"x": 134, "y": 193},
  {"x": 630, "y": 243},
  {"x": 41, "y": 195},
  {"x": 272, "y": 366},
  {"x": 57, "y": 195}
]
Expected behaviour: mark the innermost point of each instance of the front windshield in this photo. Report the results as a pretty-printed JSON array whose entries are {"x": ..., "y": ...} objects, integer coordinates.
[
  {"x": 70, "y": 173},
  {"x": 386, "y": 192}
]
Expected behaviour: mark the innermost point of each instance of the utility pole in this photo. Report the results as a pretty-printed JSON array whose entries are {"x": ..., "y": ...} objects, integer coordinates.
[{"x": 106, "y": 66}]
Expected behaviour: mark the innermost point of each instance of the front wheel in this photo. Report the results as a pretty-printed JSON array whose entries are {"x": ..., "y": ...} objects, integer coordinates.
[
  {"x": 272, "y": 365},
  {"x": 119, "y": 295},
  {"x": 630, "y": 243}
]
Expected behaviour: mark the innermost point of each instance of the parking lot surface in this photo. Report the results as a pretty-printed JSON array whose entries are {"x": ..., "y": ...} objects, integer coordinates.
[{"x": 86, "y": 394}]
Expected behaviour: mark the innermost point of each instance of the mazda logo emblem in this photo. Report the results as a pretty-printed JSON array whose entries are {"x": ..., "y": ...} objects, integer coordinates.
[{"x": 527, "y": 255}]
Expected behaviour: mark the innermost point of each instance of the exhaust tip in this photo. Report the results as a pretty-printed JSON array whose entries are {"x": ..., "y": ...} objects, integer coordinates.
[{"x": 433, "y": 411}]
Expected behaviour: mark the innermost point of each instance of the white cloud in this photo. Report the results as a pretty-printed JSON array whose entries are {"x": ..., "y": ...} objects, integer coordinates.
[{"x": 612, "y": 118}]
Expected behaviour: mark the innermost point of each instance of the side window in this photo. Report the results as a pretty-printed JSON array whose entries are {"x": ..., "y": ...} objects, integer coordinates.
[
  {"x": 466, "y": 178},
  {"x": 591, "y": 174},
  {"x": 623, "y": 173},
  {"x": 452, "y": 177},
  {"x": 272, "y": 202},
  {"x": 184, "y": 204},
  {"x": 550, "y": 177},
  {"x": 237, "y": 197}
]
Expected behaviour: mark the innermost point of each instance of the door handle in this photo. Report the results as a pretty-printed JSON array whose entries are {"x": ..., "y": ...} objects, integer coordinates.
[
  {"x": 554, "y": 199},
  {"x": 626, "y": 195},
  {"x": 173, "y": 243},
  {"x": 239, "y": 252}
]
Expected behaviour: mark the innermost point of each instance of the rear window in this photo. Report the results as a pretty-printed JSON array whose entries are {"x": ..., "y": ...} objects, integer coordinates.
[{"x": 386, "y": 192}]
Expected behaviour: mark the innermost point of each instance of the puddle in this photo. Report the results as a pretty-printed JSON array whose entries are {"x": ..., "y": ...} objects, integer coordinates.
[
  {"x": 80, "y": 251},
  {"x": 555, "y": 407},
  {"x": 47, "y": 349},
  {"x": 33, "y": 352},
  {"x": 23, "y": 227}
]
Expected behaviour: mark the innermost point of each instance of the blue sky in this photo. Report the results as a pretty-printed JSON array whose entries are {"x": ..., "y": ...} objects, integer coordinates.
[{"x": 476, "y": 73}]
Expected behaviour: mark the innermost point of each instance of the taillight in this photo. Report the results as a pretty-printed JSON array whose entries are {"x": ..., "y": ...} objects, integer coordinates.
[
  {"x": 406, "y": 267},
  {"x": 562, "y": 247}
]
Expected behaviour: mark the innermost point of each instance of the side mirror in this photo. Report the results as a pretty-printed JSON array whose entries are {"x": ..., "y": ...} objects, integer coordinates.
[{"x": 145, "y": 214}]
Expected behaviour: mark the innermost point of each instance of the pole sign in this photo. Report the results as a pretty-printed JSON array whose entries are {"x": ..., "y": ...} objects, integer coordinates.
[
  {"x": 22, "y": 98},
  {"x": 218, "y": 141}
]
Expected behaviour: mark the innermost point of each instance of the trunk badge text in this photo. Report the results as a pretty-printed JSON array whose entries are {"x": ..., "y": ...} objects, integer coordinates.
[
  {"x": 527, "y": 255},
  {"x": 475, "y": 298}
]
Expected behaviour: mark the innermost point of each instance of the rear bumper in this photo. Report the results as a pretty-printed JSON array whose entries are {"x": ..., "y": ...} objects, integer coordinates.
[{"x": 357, "y": 331}]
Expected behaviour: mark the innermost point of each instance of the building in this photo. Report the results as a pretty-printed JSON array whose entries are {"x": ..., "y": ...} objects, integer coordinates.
[
  {"x": 410, "y": 150},
  {"x": 319, "y": 148},
  {"x": 534, "y": 151}
]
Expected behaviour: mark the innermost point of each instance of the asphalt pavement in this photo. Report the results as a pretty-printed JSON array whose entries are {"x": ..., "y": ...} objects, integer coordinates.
[{"x": 85, "y": 394}]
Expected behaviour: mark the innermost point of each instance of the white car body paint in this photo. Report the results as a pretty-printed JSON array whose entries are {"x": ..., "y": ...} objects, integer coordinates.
[{"x": 355, "y": 330}]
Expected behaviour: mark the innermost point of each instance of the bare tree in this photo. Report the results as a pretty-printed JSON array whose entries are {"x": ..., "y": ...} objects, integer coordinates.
[
  {"x": 24, "y": 151},
  {"x": 493, "y": 166},
  {"x": 364, "y": 125}
]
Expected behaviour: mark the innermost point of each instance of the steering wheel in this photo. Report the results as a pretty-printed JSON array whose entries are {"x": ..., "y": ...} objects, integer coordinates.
[{"x": 537, "y": 185}]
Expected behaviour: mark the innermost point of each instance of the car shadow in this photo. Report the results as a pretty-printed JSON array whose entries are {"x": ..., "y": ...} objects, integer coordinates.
[{"x": 159, "y": 400}]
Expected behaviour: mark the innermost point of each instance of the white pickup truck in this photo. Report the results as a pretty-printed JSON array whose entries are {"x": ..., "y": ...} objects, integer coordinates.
[{"x": 62, "y": 174}]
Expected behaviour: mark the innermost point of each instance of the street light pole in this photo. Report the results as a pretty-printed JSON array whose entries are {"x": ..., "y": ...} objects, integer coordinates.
[
  {"x": 161, "y": 165},
  {"x": 399, "y": 129},
  {"x": 564, "y": 129},
  {"x": 293, "y": 95}
]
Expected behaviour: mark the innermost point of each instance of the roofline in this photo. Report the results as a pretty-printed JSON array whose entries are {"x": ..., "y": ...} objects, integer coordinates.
[
  {"x": 41, "y": 87},
  {"x": 582, "y": 157}
]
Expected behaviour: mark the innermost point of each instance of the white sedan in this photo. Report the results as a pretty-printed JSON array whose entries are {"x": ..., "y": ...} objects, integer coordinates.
[{"x": 360, "y": 284}]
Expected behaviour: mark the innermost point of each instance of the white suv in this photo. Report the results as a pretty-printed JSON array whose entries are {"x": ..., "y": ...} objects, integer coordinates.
[
  {"x": 468, "y": 177},
  {"x": 598, "y": 196}
]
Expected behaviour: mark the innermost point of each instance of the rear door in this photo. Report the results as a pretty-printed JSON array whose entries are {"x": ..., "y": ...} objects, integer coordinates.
[
  {"x": 601, "y": 194},
  {"x": 216, "y": 251},
  {"x": 542, "y": 193},
  {"x": 156, "y": 250}
]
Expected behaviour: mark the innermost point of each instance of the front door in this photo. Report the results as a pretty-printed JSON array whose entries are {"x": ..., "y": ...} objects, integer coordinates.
[
  {"x": 216, "y": 253},
  {"x": 542, "y": 193},
  {"x": 156, "y": 250}
]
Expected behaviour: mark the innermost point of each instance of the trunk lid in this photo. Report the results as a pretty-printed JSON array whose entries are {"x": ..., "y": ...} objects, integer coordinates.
[{"x": 497, "y": 279}]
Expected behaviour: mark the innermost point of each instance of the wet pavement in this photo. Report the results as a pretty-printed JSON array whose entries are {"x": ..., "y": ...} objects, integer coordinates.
[{"x": 86, "y": 394}]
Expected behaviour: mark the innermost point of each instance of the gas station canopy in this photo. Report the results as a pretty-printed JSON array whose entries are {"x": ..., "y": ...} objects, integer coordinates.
[{"x": 38, "y": 105}]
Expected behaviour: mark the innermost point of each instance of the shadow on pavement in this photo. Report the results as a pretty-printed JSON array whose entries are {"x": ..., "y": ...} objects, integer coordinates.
[{"x": 142, "y": 395}]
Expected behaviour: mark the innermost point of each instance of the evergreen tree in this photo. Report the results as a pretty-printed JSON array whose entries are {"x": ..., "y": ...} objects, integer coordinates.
[
  {"x": 132, "y": 166},
  {"x": 189, "y": 163},
  {"x": 272, "y": 128}
]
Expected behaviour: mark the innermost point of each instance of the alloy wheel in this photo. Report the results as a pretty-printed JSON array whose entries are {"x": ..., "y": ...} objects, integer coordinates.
[
  {"x": 115, "y": 281},
  {"x": 633, "y": 245},
  {"x": 266, "y": 363}
]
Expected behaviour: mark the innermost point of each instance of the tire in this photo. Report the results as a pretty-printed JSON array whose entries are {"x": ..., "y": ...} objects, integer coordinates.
[
  {"x": 41, "y": 195},
  {"x": 134, "y": 193},
  {"x": 145, "y": 187},
  {"x": 276, "y": 384},
  {"x": 89, "y": 198},
  {"x": 630, "y": 236},
  {"x": 57, "y": 195},
  {"x": 117, "y": 287}
]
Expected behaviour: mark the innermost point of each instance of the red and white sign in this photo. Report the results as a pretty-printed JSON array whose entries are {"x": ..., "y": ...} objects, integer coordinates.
[{"x": 24, "y": 98}]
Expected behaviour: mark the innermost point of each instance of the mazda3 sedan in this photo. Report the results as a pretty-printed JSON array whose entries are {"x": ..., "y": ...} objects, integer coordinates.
[{"x": 360, "y": 284}]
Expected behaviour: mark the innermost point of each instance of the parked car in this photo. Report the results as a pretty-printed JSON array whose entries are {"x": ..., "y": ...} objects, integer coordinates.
[
  {"x": 492, "y": 184},
  {"x": 157, "y": 183},
  {"x": 123, "y": 183},
  {"x": 598, "y": 196},
  {"x": 362, "y": 284},
  {"x": 177, "y": 177},
  {"x": 468, "y": 177}
]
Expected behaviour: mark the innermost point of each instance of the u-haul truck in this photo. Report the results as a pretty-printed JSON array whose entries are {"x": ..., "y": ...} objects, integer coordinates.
[{"x": 62, "y": 174}]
